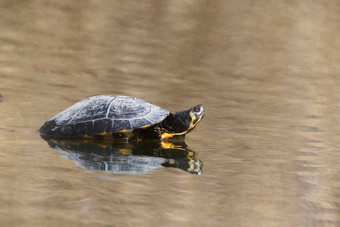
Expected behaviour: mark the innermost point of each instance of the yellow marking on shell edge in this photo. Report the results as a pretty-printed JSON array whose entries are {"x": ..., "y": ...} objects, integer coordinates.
[
  {"x": 127, "y": 132},
  {"x": 125, "y": 151},
  {"x": 104, "y": 134},
  {"x": 145, "y": 126},
  {"x": 87, "y": 137}
]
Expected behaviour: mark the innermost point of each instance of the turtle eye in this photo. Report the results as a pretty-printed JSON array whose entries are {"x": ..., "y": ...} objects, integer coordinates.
[{"x": 197, "y": 109}]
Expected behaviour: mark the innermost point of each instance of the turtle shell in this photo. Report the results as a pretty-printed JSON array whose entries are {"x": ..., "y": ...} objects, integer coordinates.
[{"x": 103, "y": 114}]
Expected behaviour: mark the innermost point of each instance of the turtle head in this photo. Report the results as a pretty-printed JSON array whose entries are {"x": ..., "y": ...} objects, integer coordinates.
[
  {"x": 180, "y": 123},
  {"x": 196, "y": 114}
]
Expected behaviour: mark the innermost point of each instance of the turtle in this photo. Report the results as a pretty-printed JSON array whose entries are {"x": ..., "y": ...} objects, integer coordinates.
[{"x": 117, "y": 117}]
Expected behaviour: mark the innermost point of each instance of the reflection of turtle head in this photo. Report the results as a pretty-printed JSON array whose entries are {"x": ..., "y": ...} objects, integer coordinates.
[
  {"x": 195, "y": 166},
  {"x": 190, "y": 164},
  {"x": 182, "y": 122}
]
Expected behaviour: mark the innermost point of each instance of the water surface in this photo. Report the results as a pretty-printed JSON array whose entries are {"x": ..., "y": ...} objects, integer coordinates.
[{"x": 267, "y": 73}]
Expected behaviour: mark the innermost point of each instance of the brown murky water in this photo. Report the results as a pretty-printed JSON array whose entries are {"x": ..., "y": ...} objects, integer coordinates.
[{"x": 267, "y": 72}]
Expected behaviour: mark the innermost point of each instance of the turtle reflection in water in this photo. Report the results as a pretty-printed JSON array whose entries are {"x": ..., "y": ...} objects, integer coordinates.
[{"x": 129, "y": 158}]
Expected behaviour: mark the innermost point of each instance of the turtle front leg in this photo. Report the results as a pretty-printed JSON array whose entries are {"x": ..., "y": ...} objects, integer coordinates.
[
  {"x": 158, "y": 131},
  {"x": 163, "y": 134}
]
